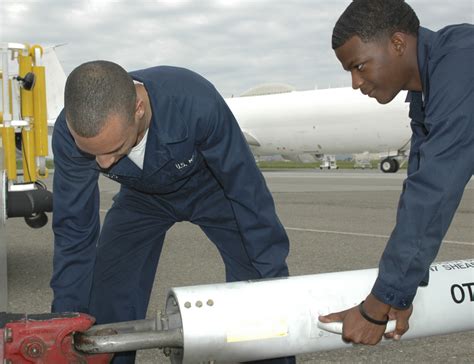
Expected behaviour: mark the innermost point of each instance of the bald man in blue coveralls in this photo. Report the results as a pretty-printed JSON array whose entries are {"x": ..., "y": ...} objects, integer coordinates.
[{"x": 169, "y": 139}]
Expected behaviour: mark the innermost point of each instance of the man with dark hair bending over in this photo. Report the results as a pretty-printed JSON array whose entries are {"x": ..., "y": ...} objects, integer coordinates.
[
  {"x": 167, "y": 136},
  {"x": 382, "y": 45}
]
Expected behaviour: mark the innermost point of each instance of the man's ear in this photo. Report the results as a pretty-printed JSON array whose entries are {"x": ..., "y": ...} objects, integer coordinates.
[
  {"x": 140, "y": 107},
  {"x": 398, "y": 42}
]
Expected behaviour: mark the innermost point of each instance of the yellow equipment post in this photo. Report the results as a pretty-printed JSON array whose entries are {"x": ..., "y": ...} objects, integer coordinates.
[
  {"x": 28, "y": 155},
  {"x": 25, "y": 66},
  {"x": 40, "y": 112},
  {"x": 27, "y": 134},
  {"x": 8, "y": 137}
]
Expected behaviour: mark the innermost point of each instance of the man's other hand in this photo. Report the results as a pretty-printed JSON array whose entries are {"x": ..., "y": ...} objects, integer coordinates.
[{"x": 402, "y": 317}]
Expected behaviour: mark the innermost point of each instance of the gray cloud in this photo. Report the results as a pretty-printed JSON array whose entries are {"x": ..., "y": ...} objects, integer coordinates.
[{"x": 236, "y": 44}]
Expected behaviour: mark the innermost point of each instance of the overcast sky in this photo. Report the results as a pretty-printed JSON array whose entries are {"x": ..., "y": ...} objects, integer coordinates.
[{"x": 236, "y": 44}]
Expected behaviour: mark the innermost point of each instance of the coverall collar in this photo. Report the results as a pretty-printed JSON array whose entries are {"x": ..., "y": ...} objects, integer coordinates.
[
  {"x": 166, "y": 119},
  {"x": 417, "y": 98},
  {"x": 425, "y": 39}
]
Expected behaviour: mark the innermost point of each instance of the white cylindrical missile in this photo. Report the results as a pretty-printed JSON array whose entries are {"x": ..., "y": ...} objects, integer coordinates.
[{"x": 242, "y": 321}]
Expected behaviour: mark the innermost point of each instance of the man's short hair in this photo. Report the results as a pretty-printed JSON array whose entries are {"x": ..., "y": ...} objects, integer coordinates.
[
  {"x": 373, "y": 20},
  {"x": 94, "y": 91}
]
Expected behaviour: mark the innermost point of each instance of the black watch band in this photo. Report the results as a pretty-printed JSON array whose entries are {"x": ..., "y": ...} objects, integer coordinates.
[{"x": 370, "y": 319}]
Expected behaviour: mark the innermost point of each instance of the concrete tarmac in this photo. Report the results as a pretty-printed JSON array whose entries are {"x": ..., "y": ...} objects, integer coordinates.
[{"x": 336, "y": 220}]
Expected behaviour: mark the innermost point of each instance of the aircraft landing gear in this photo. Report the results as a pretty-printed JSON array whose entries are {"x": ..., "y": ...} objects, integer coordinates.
[{"x": 389, "y": 165}]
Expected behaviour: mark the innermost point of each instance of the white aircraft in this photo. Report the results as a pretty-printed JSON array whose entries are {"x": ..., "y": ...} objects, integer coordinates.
[{"x": 326, "y": 121}]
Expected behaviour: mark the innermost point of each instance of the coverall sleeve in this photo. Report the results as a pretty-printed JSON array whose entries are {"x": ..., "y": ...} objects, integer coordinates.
[
  {"x": 441, "y": 164},
  {"x": 75, "y": 222},
  {"x": 229, "y": 158}
]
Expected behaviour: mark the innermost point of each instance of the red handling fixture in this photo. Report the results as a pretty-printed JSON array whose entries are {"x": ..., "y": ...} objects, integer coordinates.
[{"x": 45, "y": 339}]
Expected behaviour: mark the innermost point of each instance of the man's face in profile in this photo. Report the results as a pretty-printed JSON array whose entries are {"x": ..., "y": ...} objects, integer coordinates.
[{"x": 374, "y": 66}]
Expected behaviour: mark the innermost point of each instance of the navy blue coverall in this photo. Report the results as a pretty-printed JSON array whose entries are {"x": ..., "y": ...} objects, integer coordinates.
[
  {"x": 197, "y": 167},
  {"x": 441, "y": 161}
]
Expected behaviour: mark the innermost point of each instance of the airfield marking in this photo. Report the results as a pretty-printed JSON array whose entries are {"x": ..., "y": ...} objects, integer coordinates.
[
  {"x": 316, "y": 175},
  {"x": 366, "y": 235}
]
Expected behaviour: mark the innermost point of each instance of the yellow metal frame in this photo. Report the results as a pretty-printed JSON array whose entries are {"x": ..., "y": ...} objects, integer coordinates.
[{"x": 33, "y": 110}]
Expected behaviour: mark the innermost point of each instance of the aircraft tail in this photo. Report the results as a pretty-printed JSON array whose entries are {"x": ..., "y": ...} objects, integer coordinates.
[{"x": 55, "y": 82}]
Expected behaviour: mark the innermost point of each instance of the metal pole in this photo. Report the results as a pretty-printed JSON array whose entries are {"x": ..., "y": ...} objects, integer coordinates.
[
  {"x": 3, "y": 240},
  {"x": 126, "y": 327},
  {"x": 128, "y": 342},
  {"x": 7, "y": 116}
]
